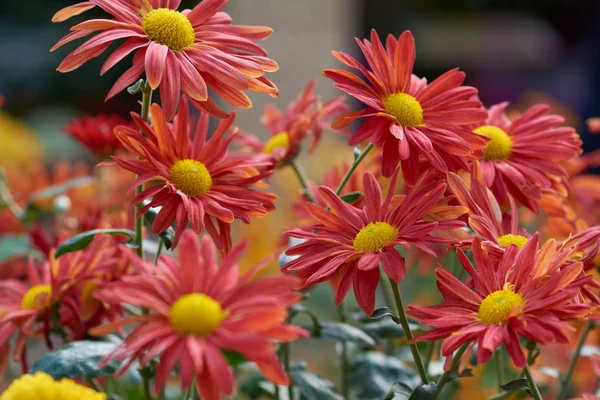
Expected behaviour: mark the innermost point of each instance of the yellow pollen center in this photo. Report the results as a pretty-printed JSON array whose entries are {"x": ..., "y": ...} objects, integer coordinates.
[
  {"x": 405, "y": 108},
  {"x": 196, "y": 314},
  {"x": 497, "y": 306},
  {"x": 500, "y": 145},
  {"x": 37, "y": 298},
  {"x": 281, "y": 140},
  {"x": 191, "y": 177},
  {"x": 374, "y": 236},
  {"x": 509, "y": 238},
  {"x": 169, "y": 27}
]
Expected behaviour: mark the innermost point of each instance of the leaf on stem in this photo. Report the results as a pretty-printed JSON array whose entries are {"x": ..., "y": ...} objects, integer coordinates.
[{"x": 82, "y": 240}]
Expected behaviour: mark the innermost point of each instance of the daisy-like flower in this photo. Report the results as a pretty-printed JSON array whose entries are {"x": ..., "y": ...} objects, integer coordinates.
[
  {"x": 199, "y": 182},
  {"x": 198, "y": 308},
  {"x": 522, "y": 156},
  {"x": 187, "y": 51},
  {"x": 41, "y": 386},
  {"x": 527, "y": 293},
  {"x": 409, "y": 118},
  {"x": 96, "y": 133},
  {"x": 302, "y": 117},
  {"x": 351, "y": 242}
]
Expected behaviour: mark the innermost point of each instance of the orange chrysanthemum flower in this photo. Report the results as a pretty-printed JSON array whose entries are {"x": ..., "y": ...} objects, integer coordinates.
[
  {"x": 413, "y": 121},
  {"x": 198, "y": 180},
  {"x": 96, "y": 133},
  {"x": 528, "y": 293},
  {"x": 198, "y": 308},
  {"x": 522, "y": 156},
  {"x": 180, "y": 51}
]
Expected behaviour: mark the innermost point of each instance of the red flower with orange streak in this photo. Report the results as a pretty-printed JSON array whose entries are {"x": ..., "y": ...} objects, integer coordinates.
[
  {"x": 413, "y": 121},
  {"x": 187, "y": 51},
  {"x": 198, "y": 180},
  {"x": 197, "y": 308}
]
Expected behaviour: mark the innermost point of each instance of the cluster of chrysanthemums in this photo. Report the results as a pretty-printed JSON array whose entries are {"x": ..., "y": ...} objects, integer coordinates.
[{"x": 435, "y": 173}]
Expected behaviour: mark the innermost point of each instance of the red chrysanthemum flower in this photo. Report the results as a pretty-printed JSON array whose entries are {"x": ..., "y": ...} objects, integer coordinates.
[
  {"x": 522, "y": 156},
  {"x": 96, "y": 133},
  {"x": 198, "y": 308},
  {"x": 528, "y": 293},
  {"x": 302, "y": 117},
  {"x": 199, "y": 182},
  {"x": 410, "y": 119},
  {"x": 351, "y": 242},
  {"x": 180, "y": 51}
]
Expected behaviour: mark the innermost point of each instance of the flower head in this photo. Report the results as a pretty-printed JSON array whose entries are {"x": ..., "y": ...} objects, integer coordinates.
[
  {"x": 41, "y": 386},
  {"x": 528, "y": 293},
  {"x": 96, "y": 133},
  {"x": 196, "y": 179},
  {"x": 351, "y": 242},
  {"x": 187, "y": 51},
  {"x": 410, "y": 119},
  {"x": 522, "y": 156},
  {"x": 198, "y": 308}
]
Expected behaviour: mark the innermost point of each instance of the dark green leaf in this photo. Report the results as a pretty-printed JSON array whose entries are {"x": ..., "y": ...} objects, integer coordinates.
[
  {"x": 312, "y": 386},
  {"x": 14, "y": 246},
  {"x": 338, "y": 331},
  {"x": 233, "y": 357},
  {"x": 136, "y": 87},
  {"x": 516, "y": 385},
  {"x": 78, "y": 359},
  {"x": 467, "y": 372},
  {"x": 383, "y": 312},
  {"x": 423, "y": 392},
  {"x": 82, "y": 240},
  {"x": 374, "y": 373},
  {"x": 252, "y": 387},
  {"x": 351, "y": 197},
  {"x": 167, "y": 235}
]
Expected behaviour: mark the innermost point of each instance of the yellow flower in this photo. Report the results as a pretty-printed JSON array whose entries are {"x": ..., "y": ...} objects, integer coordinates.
[{"x": 42, "y": 386}]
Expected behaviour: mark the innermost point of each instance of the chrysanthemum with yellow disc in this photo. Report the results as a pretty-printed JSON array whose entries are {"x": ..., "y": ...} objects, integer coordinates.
[
  {"x": 198, "y": 308},
  {"x": 175, "y": 50},
  {"x": 349, "y": 243},
  {"x": 419, "y": 125},
  {"x": 522, "y": 157},
  {"x": 506, "y": 299},
  {"x": 42, "y": 386},
  {"x": 201, "y": 185}
]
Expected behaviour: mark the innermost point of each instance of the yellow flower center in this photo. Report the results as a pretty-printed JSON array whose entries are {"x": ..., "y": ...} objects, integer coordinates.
[
  {"x": 36, "y": 298},
  {"x": 169, "y": 27},
  {"x": 196, "y": 314},
  {"x": 405, "y": 108},
  {"x": 500, "y": 145},
  {"x": 374, "y": 236},
  {"x": 281, "y": 140},
  {"x": 509, "y": 238},
  {"x": 497, "y": 306},
  {"x": 42, "y": 386},
  {"x": 191, "y": 177}
]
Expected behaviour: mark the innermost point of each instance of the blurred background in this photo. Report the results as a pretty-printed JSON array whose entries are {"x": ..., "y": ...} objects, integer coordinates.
[{"x": 522, "y": 51}]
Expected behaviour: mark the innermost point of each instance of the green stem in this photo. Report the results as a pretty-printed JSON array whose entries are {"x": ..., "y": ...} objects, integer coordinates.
[
  {"x": 139, "y": 221},
  {"x": 345, "y": 387},
  {"x": 303, "y": 181},
  {"x": 159, "y": 250},
  {"x": 357, "y": 161},
  {"x": 7, "y": 197},
  {"x": 566, "y": 381},
  {"x": 500, "y": 367},
  {"x": 405, "y": 326},
  {"x": 93, "y": 385},
  {"x": 147, "y": 391},
  {"x": 285, "y": 354},
  {"x": 189, "y": 394},
  {"x": 444, "y": 378},
  {"x": 535, "y": 391}
]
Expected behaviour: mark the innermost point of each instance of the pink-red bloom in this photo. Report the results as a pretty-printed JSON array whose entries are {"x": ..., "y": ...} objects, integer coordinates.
[
  {"x": 528, "y": 293},
  {"x": 350, "y": 242},
  {"x": 187, "y": 51},
  {"x": 413, "y": 121},
  {"x": 196, "y": 180},
  {"x": 96, "y": 133},
  {"x": 522, "y": 156},
  {"x": 197, "y": 308}
]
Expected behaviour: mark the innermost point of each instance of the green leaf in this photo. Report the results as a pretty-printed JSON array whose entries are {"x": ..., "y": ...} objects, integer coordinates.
[
  {"x": 423, "y": 392},
  {"x": 167, "y": 235},
  {"x": 357, "y": 152},
  {"x": 78, "y": 359},
  {"x": 233, "y": 357},
  {"x": 82, "y": 240},
  {"x": 55, "y": 190},
  {"x": 252, "y": 387},
  {"x": 14, "y": 246},
  {"x": 351, "y": 197},
  {"x": 136, "y": 87},
  {"x": 383, "y": 312},
  {"x": 516, "y": 385},
  {"x": 374, "y": 373},
  {"x": 312, "y": 386},
  {"x": 340, "y": 332}
]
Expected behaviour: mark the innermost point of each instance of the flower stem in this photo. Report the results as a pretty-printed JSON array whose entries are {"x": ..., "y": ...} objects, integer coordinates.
[
  {"x": 139, "y": 221},
  {"x": 405, "y": 326},
  {"x": 285, "y": 355},
  {"x": 344, "y": 386},
  {"x": 566, "y": 381},
  {"x": 7, "y": 198},
  {"x": 535, "y": 391},
  {"x": 444, "y": 378},
  {"x": 357, "y": 161},
  {"x": 161, "y": 244},
  {"x": 147, "y": 391},
  {"x": 500, "y": 367},
  {"x": 303, "y": 181}
]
